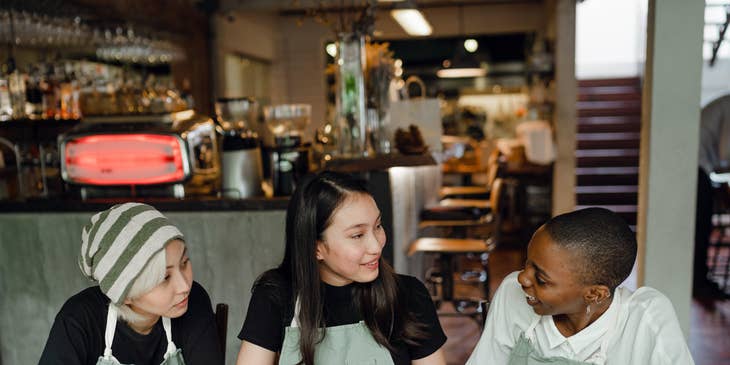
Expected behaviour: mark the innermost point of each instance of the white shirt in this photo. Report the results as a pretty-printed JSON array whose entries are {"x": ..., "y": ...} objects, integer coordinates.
[
  {"x": 642, "y": 328},
  {"x": 714, "y": 151}
]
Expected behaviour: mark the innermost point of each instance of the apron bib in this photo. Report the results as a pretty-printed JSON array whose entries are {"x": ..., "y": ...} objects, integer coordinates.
[
  {"x": 350, "y": 344},
  {"x": 524, "y": 352},
  {"x": 173, "y": 355}
]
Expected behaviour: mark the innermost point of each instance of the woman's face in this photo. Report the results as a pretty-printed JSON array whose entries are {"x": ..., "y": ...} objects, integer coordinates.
[
  {"x": 170, "y": 297},
  {"x": 351, "y": 245},
  {"x": 549, "y": 278}
]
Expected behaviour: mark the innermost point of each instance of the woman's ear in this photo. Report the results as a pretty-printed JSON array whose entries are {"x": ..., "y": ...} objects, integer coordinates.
[
  {"x": 597, "y": 294},
  {"x": 321, "y": 249}
]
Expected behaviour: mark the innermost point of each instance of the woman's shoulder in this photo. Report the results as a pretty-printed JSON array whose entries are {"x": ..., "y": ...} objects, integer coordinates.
[
  {"x": 87, "y": 302},
  {"x": 410, "y": 286},
  {"x": 272, "y": 283},
  {"x": 646, "y": 301}
]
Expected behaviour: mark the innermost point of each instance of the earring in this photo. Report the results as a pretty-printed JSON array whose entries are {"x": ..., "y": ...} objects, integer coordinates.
[{"x": 588, "y": 310}]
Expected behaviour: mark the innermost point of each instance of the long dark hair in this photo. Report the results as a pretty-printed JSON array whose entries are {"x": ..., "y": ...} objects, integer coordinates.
[{"x": 308, "y": 215}]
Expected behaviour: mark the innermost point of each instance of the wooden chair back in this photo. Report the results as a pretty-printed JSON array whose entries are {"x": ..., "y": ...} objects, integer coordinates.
[{"x": 221, "y": 323}]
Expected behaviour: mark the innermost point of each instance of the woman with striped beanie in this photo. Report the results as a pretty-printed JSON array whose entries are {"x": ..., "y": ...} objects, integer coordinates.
[{"x": 139, "y": 260}]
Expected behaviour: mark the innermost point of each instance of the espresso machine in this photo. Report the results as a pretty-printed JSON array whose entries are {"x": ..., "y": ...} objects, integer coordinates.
[
  {"x": 289, "y": 157},
  {"x": 242, "y": 171}
]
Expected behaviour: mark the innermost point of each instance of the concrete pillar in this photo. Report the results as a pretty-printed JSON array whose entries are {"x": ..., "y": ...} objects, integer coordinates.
[
  {"x": 669, "y": 143},
  {"x": 565, "y": 112}
]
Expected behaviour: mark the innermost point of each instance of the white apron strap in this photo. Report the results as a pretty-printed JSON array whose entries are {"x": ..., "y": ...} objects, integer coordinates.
[
  {"x": 171, "y": 348},
  {"x": 294, "y": 323},
  {"x": 111, "y": 325}
]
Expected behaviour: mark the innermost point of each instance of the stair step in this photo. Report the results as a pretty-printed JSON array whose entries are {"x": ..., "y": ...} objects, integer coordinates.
[
  {"x": 608, "y": 105},
  {"x": 608, "y": 194},
  {"x": 609, "y": 93},
  {"x": 625, "y": 81},
  {"x": 603, "y": 112},
  {"x": 608, "y": 140},
  {"x": 609, "y": 127},
  {"x": 607, "y": 157},
  {"x": 607, "y": 179},
  {"x": 607, "y": 176},
  {"x": 609, "y": 120},
  {"x": 627, "y": 152}
]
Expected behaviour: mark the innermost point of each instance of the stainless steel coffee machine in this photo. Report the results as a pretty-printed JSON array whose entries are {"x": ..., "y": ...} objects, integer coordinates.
[{"x": 242, "y": 171}]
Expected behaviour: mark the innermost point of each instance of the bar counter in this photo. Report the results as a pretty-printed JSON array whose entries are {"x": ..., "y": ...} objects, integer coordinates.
[
  {"x": 231, "y": 242},
  {"x": 166, "y": 205}
]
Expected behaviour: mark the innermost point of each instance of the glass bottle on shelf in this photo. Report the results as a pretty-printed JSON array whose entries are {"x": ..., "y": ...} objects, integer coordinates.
[
  {"x": 34, "y": 96},
  {"x": 16, "y": 86},
  {"x": 65, "y": 92},
  {"x": 48, "y": 88},
  {"x": 6, "y": 109}
]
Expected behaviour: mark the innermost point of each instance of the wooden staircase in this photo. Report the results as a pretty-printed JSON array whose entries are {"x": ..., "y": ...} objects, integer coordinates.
[{"x": 607, "y": 154}]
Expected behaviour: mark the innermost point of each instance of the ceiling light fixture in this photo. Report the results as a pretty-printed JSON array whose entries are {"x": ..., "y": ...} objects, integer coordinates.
[
  {"x": 471, "y": 45},
  {"x": 464, "y": 63},
  {"x": 411, "y": 20}
]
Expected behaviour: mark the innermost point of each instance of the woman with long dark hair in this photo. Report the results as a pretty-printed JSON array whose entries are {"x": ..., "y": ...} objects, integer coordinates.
[{"x": 333, "y": 299}]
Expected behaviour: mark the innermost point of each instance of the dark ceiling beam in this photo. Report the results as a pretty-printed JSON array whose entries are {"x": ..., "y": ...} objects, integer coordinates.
[{"x": 295, "y": 8}]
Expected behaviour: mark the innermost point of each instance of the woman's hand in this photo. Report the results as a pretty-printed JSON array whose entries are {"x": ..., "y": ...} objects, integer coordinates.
[
  {"x": 251, "y": 354},
  {"x": 436, "y": 358}
]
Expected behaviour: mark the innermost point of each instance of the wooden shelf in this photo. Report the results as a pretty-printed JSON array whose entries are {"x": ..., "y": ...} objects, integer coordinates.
[{"x": 379, "y": 162}]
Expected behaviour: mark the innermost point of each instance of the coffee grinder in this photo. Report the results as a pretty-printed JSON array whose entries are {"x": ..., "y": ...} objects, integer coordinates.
[
  {"x": 242, "y": 172},
  {"x": 289, "y": 155}
]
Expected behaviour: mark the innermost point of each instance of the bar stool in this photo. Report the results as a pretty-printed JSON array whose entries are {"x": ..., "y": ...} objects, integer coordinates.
[
  {"x": 448, "y": 249},
  {"x": 720, "y": 241}
]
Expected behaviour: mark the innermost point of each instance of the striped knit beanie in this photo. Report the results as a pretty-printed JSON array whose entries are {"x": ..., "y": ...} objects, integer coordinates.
[{"x": 118, "y": 242}]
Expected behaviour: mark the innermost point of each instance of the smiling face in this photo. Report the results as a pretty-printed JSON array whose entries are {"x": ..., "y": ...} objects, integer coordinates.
[
  {"x": 170, "y": 297},
  {"x": 351, "y": 245},
  {"x": 550, "y": 278}
]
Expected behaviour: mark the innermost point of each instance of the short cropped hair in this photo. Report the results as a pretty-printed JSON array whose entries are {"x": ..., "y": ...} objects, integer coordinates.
[{"x": 601, "y": 240}]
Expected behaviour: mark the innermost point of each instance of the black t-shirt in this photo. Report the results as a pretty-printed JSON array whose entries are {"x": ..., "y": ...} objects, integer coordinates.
[
  {"x": 77, "y": 335},
  {"x": 268, "y": 315}
]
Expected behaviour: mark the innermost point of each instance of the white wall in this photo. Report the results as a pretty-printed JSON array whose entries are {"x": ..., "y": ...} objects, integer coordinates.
[
  {"x": 610, "y": 38},
  {"x": 715, "y": 79},
  {"x": 250, "y": 34}
]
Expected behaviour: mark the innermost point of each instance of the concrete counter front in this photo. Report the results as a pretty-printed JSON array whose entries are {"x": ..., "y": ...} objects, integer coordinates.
[
  {"x": 230, "y": 244},
  {"x": 38, "y": 269}
]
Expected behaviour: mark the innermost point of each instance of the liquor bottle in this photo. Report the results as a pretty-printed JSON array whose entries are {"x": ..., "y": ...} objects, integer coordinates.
[
  {"x": 6, "y": 108},
  {"x": 34, "y": 96},
  {"x": 16, "y": 87},
  {"x": 49, "y": 94}
]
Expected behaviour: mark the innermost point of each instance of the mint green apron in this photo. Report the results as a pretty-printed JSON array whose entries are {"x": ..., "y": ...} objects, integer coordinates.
[
  {"x": 350, "y": 344},
  {"x": 173, "y": 355},
  {"x": 524, "y": 352}
]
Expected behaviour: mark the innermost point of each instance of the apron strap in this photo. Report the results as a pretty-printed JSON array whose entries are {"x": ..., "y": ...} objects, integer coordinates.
[
  {"x": 171, "y": 348},
  {"x": 111, "y": 325},
  {"x": 294, "y": 322}
]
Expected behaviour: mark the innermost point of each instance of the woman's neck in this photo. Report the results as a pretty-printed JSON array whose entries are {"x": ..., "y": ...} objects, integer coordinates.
[
  {"x": 570, "y": 324},
  {"x": 144, "y": 326}
]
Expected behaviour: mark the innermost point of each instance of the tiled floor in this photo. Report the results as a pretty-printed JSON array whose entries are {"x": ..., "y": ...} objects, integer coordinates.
[{"x": 709, "y": 340}]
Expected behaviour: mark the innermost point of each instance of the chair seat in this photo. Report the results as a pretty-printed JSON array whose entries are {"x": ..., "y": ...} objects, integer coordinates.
[
  {"x": 448, "y": 191},
  {"x": 466, "y": 203},
  {"x": 455, "y": 222},
  {"x": 450, "y": 245}
]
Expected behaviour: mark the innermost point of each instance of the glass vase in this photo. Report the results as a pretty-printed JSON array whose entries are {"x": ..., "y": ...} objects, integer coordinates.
[{"x": 350, "y": 95}]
